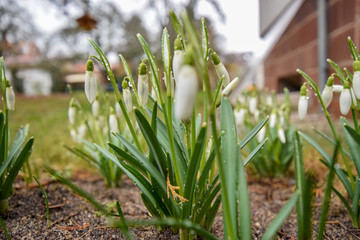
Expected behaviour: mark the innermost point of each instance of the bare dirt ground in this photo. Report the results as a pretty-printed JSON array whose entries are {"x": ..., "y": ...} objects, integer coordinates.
[{"x": 74, "y": 218}]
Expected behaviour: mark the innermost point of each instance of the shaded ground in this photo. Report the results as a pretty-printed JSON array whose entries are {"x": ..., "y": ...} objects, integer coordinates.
[{"x": 73, "y": 218}]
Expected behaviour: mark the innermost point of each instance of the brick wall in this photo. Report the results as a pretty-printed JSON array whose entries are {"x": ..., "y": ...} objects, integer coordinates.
[{"x": 298, "y": 47}]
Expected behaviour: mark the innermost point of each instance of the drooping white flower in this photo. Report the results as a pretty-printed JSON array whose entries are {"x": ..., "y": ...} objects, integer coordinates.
[
  {"x": 261, "y": 134},
  {"x": 127, "y": 96},
  {"x": 327, "y": 93},
  {"x": 142, "y": 85},
  {"x": 272, "y": 120},
  {"x": 220, "y": 69},
  {"x": 178, "y": 58},
  {"x": 72, "y": 112},
  {"x": 239, "y": 115},
  {"x": 281, "y": 135},
  {"x": 269, "y": 100},
  {"x": 356, "y": 79},
  {"x": 90, "y": 82},
  {"x": 10, "y": 97},
  {"x": 256, "y": 114},
  {"x": 185, "y": 92},
  {"x": 95, "y": 107},
  {"x": 118, "y": 110},
  {"x": 345, "y": 99},
  {"x": 73, "y": 135},
  {"x": 252, "y": 104},
  {"x": 353, "y": 97},
  {"x": 303, "y": 102},
  {"x": 113, "y": 123},
  {"x": 82, "y": 129},
  {"x": 230, "y": 87}
]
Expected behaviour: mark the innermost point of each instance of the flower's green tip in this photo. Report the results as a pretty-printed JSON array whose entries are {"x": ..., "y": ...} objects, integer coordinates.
[
  {"x": 142, "y": 69},
  {"x": 111, "y": 110},
  {"x": 356, "y": 65},
  {"x": 7, "y": 83},
  {"x": 89, "y": 65},
  {"x": 188, "y": 58},
  {"x": 178, "y": 44},
  {"x": 330, "y": 80},
  {"x": 346, "y": 84},
  {"x": 303, "y": 90},
  {"x": 215, "y": 58},
  {"x": 125, "y": 84}
]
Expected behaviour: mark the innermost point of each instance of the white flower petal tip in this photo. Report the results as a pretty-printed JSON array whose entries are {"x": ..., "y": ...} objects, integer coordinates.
[
  {"x": 185, "y": 92},
  {"x": 252, "y": 105},
  {"x": 261, "y": 134},
  {"x": 113, "y": 124},
  {"x": 10, "y": 98},
  {"x": 281, "y": 135},
  {"x": 230, "y": 87},
  {"x": 178, "y": 61},
  {"x": 118, "y": 110},
  {"x": 95, "y": 108},
  {"x": 240, "y": 117},
  {"x": 345, "y": 101},
  {"x": 72, "y": 115},
  {"x": 90, "y": 86},
  {"x": 302, "y": 107},
  {"x": 272, "y": 120},
  {"x": 327, "y": 95},
  {"x": 127, "y": 99},
  {"x": 143, "y": 89}
]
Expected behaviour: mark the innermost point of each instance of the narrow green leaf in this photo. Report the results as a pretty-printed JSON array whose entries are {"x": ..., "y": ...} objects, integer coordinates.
[
  {"x": 210, "y": 216},
  {"x": 46, "y": 201},
  {"x": 191, "y": 174},
  {"x": 3, "y": 226},
  {"x": 345, "y": 202},
  {"x": 355, "y": 200},
  {"x": 204, "y": 39},
  {"x": 309, "y": 80},
  {"x": 178, "y": 28},
  {"x": 129, "y": 75},
  {"x": 166, "y": 56},
  {"x": 255, "y": 151},
  {"x": 252, "y": 133},
  {"x": 280, "y": 217},
  {"x": 15, "y": 168},
  {"x": 353, "y": 50},
  {"x": 322, "y": 152},
  {"x": 217, "y": 93},
  {"x": 352, "y": 143},
  {"x": 300, "y": 185},
  {"x": 230, "y": 158},
  {"x": 149, "y": 206},
  {"x": 338, "y": 70},
  {"x": 18, "y": 141}
]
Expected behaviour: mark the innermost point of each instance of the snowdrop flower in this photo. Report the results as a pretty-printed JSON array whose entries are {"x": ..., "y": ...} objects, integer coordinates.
[
  {"x": 178, "y": 58},
  {"x": 230, "y": 87},
  {"x": 269, "y": 100},
  {"x": 127, "y": 96},
  {"x": 272, "y": 120},
  {"x": 239, "y": 115},
  {"x": 220, "y": 69},
  {"x": 303, "y": 102},
  {"x": 72, "y": 112},
  {"x": 252, "y": 103},
  {"x": 10, "y": 97},
  {"x": 73, "y": 135},
  {"x": 327, "y": 93},
  {"x": 118, "y": 110},
  {"x": 257, "y": 114},
  {"x": 281, "y": 135},
  {"x": 95, "y": 107},
  {"x": 353, "y": 97},
  {"x": 143, "y": 87},
  {"x": 113, "y": 123},
  {"x": 337, "y": 88},
  {"x": 356, "y": 79},
  {"x": 82, "y": 131},
  {"x": 186, "y": 89},
  {"x": 345, "y": 99},
  {"x": 261, "y": 134},
  {"x": 90, "y": 82}
]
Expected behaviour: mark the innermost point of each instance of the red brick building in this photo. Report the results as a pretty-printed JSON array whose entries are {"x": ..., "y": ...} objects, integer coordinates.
[{"x": 298, "y": 47}]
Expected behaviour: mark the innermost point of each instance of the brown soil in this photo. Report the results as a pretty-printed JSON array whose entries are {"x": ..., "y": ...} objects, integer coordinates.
[{"x": 73, "y": 218}]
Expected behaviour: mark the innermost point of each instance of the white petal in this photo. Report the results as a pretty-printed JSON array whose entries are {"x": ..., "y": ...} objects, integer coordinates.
[
  {"x": 230, "y": 87},
  {"x": 252, "y": 104},
  {"x": 10, "y": 98},
  {"x": 272, "y": 120},
  {"x": 327, "y": 95},
  {"x": 82, "y": 131},
  {"x": 356, "y": 84},
  {"x": 113, "y": 124},
  {"x": 178, "y": 61},
  {"x": 281, "y": 135},
  {"x": 221, "y": 71},
  {"x": 185, "y": 92},
  {"x": 127, "y": 99},
  {"x": 72, "y": 115},
  {"x": 118, "y": 110},
  {"x": 302, "y": 107},
  {"x": 239, "y": 117},
  {"x": 338, "y": 88},
  {"x": 345, "y": 101},
  {"x": 90, "y": 86},
  {"x": 143, "y": 89},
  {"x": 261, "y": 134},
  {"x": 95, "y": 107}
]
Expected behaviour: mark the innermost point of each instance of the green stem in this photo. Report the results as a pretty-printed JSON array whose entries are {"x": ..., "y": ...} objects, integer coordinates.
[
  {"x": 188, "y": 141},
  {"x": 193, "y": 130},
  {"x": 356, "y": 124}
]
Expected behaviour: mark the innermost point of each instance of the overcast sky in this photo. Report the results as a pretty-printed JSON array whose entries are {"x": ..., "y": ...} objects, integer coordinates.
[{"x": 240, "y": 29}]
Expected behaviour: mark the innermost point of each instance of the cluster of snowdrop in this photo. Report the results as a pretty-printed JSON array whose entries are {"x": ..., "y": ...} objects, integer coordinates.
[
  {"x": 349, "y": 92},
  {"x": 254, "y": 105}
]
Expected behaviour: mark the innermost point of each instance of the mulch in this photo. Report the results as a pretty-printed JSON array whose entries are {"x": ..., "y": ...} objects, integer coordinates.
[{"x": 74, "y": 218}]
